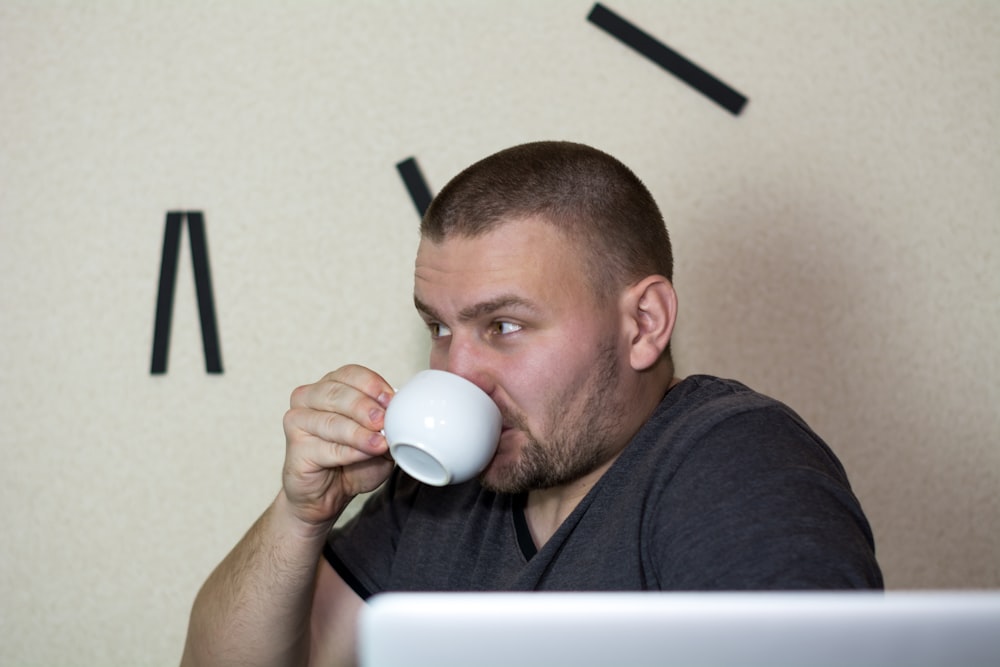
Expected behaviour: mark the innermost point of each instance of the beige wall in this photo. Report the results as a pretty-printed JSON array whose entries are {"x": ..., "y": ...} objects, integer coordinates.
[{"x": 837, "y": 248}]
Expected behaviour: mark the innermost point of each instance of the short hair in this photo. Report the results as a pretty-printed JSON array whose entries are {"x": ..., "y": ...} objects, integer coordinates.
[{"x": 591, "y": 196}]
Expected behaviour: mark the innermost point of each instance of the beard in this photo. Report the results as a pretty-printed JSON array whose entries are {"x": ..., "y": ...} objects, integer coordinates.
[{"x": 584, "y": 425}]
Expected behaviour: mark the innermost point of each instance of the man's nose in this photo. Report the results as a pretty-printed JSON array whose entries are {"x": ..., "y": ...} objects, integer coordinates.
[{"x": 467, "y": 359}]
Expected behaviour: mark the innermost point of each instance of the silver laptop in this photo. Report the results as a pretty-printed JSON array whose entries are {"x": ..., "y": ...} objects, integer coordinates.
[{"x": 896, "y": 629}]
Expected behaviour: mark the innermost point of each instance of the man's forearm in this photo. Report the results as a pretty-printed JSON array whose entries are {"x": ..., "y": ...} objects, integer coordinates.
[{"x": 254, "y": 608}]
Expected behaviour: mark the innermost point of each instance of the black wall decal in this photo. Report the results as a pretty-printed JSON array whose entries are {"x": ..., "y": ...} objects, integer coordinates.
[
  {"x": 409, "y": 170},
  {"x": 203, "y": 287},
  {"x": 668, "y": 59}
]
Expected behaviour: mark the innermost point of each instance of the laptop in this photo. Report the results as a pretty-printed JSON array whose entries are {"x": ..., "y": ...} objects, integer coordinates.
[{"x": 828, "y": 629}]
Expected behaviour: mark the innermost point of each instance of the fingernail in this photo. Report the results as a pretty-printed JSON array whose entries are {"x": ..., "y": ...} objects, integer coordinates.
[
  {"x": 383, "y": 399},
  {"x": 377, "y": 441}
]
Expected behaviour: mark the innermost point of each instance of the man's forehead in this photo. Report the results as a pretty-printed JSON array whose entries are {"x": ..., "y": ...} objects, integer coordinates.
[
  {"x": 515, "y": 262},
  {"x": 462, "y": 281},
  {"x": 527, "y": 238},
  {"x": 487, "y": 256}
]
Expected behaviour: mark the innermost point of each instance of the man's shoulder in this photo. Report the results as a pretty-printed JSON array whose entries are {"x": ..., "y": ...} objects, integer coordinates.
[
  {"x": 708, "y": 387},
  {"x": 706, "y": 399},
  {"x": 710, "y": 418}
]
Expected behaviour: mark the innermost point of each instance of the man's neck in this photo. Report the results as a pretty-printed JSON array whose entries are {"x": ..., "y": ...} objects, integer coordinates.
[{"x": 546, "y": 509}]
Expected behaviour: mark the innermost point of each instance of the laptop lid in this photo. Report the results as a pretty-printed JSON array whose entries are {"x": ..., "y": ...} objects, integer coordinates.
[{"x": 940, "y": 629}]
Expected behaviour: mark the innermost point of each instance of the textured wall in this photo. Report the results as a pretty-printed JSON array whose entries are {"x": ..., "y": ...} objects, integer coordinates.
[{"x": 836, "y": 242}]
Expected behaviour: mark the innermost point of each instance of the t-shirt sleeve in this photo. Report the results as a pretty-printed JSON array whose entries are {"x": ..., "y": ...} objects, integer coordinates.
[{"x": 762, "y": 503}]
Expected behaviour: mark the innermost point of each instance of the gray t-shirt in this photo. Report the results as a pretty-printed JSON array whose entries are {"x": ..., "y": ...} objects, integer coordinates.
[{"x": 722, "y": 489}]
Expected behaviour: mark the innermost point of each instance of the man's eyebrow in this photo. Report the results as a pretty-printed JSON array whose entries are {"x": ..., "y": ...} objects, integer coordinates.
[
  {"x": 502, "y": 302},
  {"x": 481, "y": 309},
  {"x": 424, "y": 309}
]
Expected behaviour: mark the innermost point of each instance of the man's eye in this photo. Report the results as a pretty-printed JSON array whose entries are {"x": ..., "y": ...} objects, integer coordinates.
[
  {"x": 438, "y": 330},
  {"x": 503, "y": 328}
]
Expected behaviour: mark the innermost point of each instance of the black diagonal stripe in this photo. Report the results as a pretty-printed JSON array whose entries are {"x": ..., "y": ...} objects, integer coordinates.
[
  {"x": 661, "y": 54},
  {"x": 414, "y": 181},
  {"x": 165, "y": 296},
  {"x": 203, "y": 286}
]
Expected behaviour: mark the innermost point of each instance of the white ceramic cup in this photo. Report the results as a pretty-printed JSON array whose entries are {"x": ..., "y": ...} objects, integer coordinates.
[{"x": 441, "y": 428}]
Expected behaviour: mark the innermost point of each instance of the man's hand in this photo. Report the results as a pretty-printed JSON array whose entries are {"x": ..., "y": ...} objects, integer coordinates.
[{"x": 333, "y": 446}]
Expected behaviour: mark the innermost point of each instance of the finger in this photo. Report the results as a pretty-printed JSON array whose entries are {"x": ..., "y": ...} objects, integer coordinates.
[
  {"x": 322, "y": 454},
  {"x": 364, "y": 380},
  {"x": 332, "y": 427},
  {"x": 354, "y": 392},
  {"x": 338, "y": 399},
  {"x": 358, "y": 378}
]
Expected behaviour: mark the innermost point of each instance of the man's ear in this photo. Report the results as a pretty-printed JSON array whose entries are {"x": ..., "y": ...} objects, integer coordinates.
[{"x": 649, "y": 309}]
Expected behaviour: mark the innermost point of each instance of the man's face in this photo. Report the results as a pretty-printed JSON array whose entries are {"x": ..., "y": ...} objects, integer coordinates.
[{"x": 513, "y": 312}]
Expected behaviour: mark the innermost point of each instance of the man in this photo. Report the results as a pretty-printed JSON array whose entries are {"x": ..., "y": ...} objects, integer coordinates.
[{"x": 544, "y": 276}]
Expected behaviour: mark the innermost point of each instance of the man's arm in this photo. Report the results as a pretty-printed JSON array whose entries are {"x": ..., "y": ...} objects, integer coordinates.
[
  {"x": 273, "y": 600},
  {"x": 254, "y": 608},
  {"x": 334, "y": 619}
]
